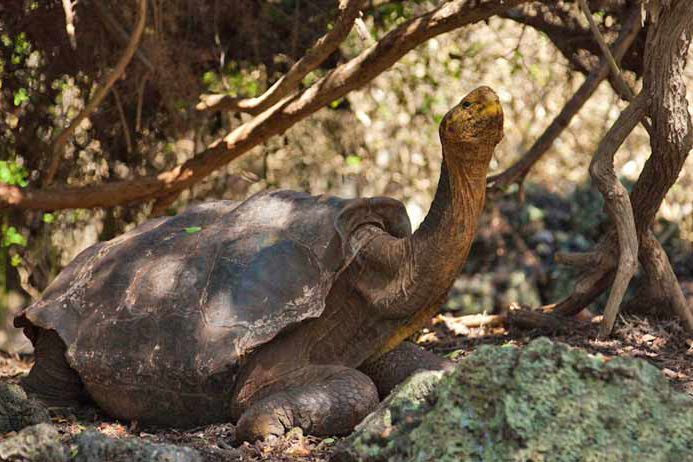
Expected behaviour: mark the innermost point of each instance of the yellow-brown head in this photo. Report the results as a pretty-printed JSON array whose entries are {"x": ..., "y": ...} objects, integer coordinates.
[{"x": 477, "y": 119}]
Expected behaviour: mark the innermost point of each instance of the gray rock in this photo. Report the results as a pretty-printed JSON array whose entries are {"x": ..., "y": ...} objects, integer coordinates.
[
  {"x": 546, "y": 401},
  {"x": 405, "y": 398},
  {"x": 17, "y": 411},
  {"x": 92, "y": 446},
  {"x": 37, "y": 443}
]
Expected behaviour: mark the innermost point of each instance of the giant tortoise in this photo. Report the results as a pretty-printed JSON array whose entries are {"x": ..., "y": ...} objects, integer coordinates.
[{"x": 283, "y": 310}]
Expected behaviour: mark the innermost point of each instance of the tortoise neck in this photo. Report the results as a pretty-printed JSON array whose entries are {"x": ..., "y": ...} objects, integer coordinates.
[
  {"x": 446, "y": 233},
  {"x": 433, "y": 255}
]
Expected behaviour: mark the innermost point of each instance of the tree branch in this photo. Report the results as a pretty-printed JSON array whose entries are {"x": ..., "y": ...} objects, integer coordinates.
[
  {"x": 275, "y": 120},
  {"x": 618, "y": 206},
  {"x": 517, "y": 172},
  {"x": 101, "y": 92},
  {"x": 605, "y": 49},
  {"x": 671, "y": 139},
  {"x": 68, "y": 7},
  {"x": 618, "y": 82},
  {"x": 118, "y": 32},
  {"x": 319, "y": 52}
]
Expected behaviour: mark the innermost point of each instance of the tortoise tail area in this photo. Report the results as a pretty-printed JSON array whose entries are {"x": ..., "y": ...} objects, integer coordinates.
[{"x": 51, "y": 379}]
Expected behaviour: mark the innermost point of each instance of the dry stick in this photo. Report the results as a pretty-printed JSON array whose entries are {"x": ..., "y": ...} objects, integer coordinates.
[
  {"x": 123, "y": 120},
  {"x": 140, "y": 99},
  {"x": 605, "y": 49},
  {"x": 275, "y": 120},
  {"x": 519, "y": 170},
  {"x": 120, "y": 34},
  {"x": 101, "y": 92},
  {"x": 316, "y": 55},
  {"x": 68, "y": 7},
  {"x": 617, "y": 205},
  {"x": 622, "y": 87}
]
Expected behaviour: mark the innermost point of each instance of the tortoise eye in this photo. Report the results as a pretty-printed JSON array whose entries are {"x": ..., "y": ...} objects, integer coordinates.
[{"x": 467, "y": 104}]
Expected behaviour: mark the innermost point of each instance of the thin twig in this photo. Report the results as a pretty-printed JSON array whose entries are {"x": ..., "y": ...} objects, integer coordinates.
[
  {"x": 615, "y": 70},
  {"x": 120, "y": 34},
  {"x": 324, "y": 46},
  {"x": 613, "y": 65},
  {"x": 58, "y": 144},
  {"x": 140, "y": 99},
  {"x": 123, "y": 120},
  {"x": 68, "y": 7},
  {"x": 519, "y": 170}
]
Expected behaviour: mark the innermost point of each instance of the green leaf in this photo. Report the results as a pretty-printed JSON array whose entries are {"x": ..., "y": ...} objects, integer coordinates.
[
  {"x": 20, "y": 96},
  {"x": 13, "y": 237},
  {"x": 12, "y": 173},
  {"x": 535, "y": 213},
  {"x": 16, "y": 260},
  {"x": 335, "y": 104},
  {"x": 353, "y": 160},
  {"x": 328, "y": 441},
  {"x": 193, "y": 229},
  {"x": 210, "y": 78},
  {"x": 48, "y": 218},
  {"x": 5, "y": 172}
]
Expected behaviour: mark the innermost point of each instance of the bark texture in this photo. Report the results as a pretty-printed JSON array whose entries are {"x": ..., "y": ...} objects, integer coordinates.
[{"x": 671, "y": 139}]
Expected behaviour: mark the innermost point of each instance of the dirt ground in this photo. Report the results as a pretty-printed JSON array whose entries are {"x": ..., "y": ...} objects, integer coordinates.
[{"x": 662, "y": 343}]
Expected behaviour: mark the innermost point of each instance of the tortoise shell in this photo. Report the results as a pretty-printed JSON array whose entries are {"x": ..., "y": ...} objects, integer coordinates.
[{"x": 169, "y": 310}]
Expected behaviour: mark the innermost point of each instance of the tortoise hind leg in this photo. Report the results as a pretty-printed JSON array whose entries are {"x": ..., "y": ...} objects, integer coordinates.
[
  {"x": 51, "y": 379},
  {"x": 395, "y": 366},
  {"x": 331, "y": 405}
]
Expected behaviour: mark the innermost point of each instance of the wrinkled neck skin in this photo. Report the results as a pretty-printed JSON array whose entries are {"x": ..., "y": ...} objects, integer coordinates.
[
  {"x": 441, "y": 244},
  {"x": 420, "y": 270}
]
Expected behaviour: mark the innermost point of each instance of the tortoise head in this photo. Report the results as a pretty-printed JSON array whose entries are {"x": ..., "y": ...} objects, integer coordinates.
[{"x": 477, "y": 119}]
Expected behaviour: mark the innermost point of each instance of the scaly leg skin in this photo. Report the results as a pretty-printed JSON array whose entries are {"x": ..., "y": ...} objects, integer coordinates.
[
  {"x": 333, "y": 405},
  {"x": 51, "y": 379},
  {"x": 395, "y": 366}
]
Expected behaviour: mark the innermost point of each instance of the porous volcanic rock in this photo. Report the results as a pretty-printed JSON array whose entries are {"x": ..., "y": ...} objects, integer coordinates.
[
  {"x": 92, "y": 446},
  {"x": 546, "y": 401},
  {"x": 17, "y": 411},
  {"x": 40, "y": 443}
]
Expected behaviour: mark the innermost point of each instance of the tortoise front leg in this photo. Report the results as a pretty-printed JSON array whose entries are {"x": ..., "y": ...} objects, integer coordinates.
[
  {"x": 332, "y": 405},
  {"x": 395, "y": 366}
]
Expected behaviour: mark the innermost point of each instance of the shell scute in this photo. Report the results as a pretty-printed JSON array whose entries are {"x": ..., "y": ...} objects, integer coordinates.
[{"x": 176, "y": 304}]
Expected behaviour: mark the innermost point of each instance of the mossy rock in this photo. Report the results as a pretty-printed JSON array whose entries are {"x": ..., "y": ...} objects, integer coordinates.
[
  {"x": 37, "y": 443},
  {"x": 92, "y": 446},
  {"x": 17, "y": 411},
  {"x": 545, "y": 402},
  {"x": 43, "y": 443}
]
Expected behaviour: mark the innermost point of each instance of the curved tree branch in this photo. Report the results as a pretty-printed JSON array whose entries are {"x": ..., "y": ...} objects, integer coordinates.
[
  {"x": 323, "y": 48},
  {"x": 618, "y": 206},
  {"x": 519, "y": 170},
  {"x": 273, "y": 121},
  {"x": 668, "y": 40},
  {"x": 58, "y": 144}
]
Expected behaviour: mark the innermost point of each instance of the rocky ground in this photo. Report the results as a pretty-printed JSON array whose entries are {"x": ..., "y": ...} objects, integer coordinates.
[
  {"x": 511, "y": 262},
  {"x": 661, "y": 343}
]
